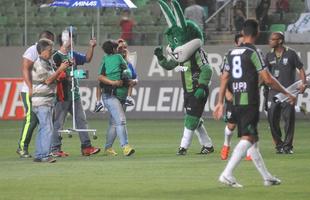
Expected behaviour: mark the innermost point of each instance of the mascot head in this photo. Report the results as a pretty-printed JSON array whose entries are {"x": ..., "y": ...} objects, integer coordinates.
[{"x": 184, "y": 36}]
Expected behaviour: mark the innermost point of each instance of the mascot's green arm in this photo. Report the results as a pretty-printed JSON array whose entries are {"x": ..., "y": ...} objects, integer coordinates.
[
  {"x": 205, "y": 68},
  {"x": 167, "y": 64},
  {"x": 205, "y": 75}
]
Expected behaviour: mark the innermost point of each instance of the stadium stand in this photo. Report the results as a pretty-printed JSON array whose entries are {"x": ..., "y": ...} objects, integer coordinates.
[{"x": 148, "y": 29}]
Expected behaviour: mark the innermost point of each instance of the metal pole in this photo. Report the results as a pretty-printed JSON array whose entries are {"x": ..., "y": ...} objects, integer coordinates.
[
  {"x": 247, "y": 8},
  {"x": 219, "y": 10},
  {"x": 25, "y": 25},
  {"x": 72, "y": 80},
  {"x": 92, "y": 31},
  {"x": 98, "y": 26}
]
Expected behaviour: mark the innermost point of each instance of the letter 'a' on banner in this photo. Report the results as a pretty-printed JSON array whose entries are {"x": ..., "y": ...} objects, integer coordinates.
[{"x": 11, "y": 105}]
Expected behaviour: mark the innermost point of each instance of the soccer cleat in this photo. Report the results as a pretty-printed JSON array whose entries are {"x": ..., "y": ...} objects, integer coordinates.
[
  {"x": 303, "y": 109},
  {"x": 90, "y": 151},
  {"x": 129, "y": 101},
  {"x": 59, "y": 154},
  {"x": 248, "y": 158},
  {"x": 23, "y": 153},
  {"x": 231, "y": 181},
  {"x": 272, "y": 181},
  {"x": 182, "y": 151},
  {"x": 110, "y": 152},
  {"x": 206, "y": 150},
  {"x": 99, "y": 106},
  {"x": 128, "y": 150},
  {"x": 225, "y": 152},
  {"x": 46, "y": 160}
]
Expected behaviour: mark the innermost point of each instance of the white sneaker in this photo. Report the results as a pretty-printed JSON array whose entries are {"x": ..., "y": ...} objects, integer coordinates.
[
  {"x": 99, "y": 106},
  {"x": 272, "y": 181},
  {"x": 230, "y": 181},
  {"x": 129, "y": 101}
]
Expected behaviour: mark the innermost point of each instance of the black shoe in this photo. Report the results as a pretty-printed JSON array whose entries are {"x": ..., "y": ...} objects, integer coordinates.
[
  {"x": 279, "y": 150},
  {"x": 23, "y": 153},
  {"x": 288, "y": 150},
  {"x": 206, "y": 150},
  {"x": 182, "y": 151}
]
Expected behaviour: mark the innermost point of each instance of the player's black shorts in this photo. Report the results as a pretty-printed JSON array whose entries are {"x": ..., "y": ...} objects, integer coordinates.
[
  {"x": 229, "y": 115},
  {"x": 247, "y": 119},
  {"x": 194, "y": 106}
]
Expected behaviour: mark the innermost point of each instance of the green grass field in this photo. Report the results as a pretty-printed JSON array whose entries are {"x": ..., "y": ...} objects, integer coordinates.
[{"x": 154, "y": 172}]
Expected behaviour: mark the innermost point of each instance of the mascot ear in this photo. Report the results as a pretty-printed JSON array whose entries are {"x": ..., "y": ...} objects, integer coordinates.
[
  {"x": 167, "y": 13},
  {"x": 180, "y": 19}
]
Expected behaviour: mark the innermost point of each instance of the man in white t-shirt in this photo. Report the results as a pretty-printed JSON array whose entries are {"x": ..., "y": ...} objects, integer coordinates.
[{"x": 30, "y": 121}]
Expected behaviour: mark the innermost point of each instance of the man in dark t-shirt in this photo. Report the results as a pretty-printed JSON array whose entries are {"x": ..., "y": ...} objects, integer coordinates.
[{"x": 282, "y": 62}]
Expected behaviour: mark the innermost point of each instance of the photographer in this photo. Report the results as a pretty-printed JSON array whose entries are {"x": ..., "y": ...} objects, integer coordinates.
[
  {"x": 114, "y": 79},
  {"x": 64, "y": 96}
]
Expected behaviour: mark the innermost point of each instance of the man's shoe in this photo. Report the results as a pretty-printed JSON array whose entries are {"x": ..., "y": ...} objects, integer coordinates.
[
  {"x": 90, "y": 151},
  {"x": 99, "y": 106},
  {"x": 225, "y": 152},
  {"x": 23, "y": 153},
  {"x": 229, "y": 181},
  {"x": 110, "y": 152},
  {"x": 279, "y": 150},
  {"x": 46, "y": 159},
  {"x": 206, "y": 150},
  {"x": 182, "y": 151},
  {"x": 248, "y": 158},
  {"x": 288, "y": 150},
  {"x": 128, "y": 150},
  {"x": 59, "y": 154},
  {"x": 272, "y": 181}
]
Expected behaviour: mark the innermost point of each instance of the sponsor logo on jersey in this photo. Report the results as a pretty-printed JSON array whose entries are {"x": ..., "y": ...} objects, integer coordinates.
[
  {"x": 285, "y": 61},
  {"x": 181, "y": 69},
  {"x": 239, "y": 87},
  {"x": 273, "y": 62},
  {"x": 238, "y": 51}
]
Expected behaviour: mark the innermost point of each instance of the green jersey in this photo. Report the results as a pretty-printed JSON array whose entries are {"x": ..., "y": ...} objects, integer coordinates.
[
  {"x": 195, "y": 72},
  {"x": 66, "y": 83},
  {"x": 113, "y": 67}
]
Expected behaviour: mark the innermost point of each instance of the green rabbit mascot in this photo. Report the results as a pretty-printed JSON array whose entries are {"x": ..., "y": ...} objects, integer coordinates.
[{"x": 187, "y": 57}]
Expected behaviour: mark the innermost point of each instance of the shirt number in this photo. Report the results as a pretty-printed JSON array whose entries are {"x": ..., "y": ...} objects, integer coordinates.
[{"x": 236, "y": 70}]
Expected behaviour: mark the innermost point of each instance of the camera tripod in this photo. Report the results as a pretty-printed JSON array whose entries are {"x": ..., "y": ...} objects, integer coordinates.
[{"x": 72, "y": 130}]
